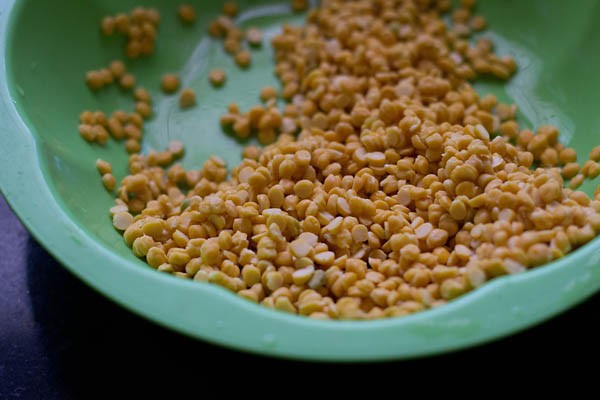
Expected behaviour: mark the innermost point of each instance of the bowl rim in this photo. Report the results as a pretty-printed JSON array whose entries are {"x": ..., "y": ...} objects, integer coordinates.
[{"x": 501, "y": 307}]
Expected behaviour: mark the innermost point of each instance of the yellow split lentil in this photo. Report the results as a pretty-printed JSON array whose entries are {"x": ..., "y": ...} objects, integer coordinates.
[
  {"x": 170, "y": 83},
  {"x": 243, "y": 59},
  {"x": 109, "y": 181},
  {"x": 217, "y": 77},
  {"x": 141, "y": 94},
  {"x": 388, "y": 186},
  {"x": 127, "y": 81},
  {"x": 144, "y": 109},
  {"x": 103, "y": 167},
  {"x": 117, "y": 68},
  {"x": 299, "y": 5},
  {"x": 230, "y": 9},
  {"x": 187, "y": 98},
  {"x": 254, "y": 36},
  {"x": 187, "y": 14},
  {"x": 267, "y": 93}
]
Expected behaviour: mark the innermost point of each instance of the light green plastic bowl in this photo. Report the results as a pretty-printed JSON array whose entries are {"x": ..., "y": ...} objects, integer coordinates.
[{"x": 49, "y": 178}]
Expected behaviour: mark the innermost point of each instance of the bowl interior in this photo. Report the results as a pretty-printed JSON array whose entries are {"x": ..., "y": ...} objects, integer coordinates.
[
  {"x": 52, "y": 44},
  {"x": 47, "y": 62},
  {"x": 48, "y": 57}
]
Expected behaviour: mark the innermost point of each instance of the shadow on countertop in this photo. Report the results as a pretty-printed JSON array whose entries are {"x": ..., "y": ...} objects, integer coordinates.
[{"x": 60, "y": 339}]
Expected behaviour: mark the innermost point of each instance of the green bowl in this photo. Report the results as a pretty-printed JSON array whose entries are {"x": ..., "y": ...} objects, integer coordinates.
[{"x": 49, "y": 178}]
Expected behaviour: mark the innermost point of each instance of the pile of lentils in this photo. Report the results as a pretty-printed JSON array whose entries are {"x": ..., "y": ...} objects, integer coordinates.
[{"x": 387, "y": 185}]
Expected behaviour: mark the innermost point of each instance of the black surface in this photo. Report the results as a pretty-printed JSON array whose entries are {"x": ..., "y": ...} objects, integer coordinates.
[{"x": 60, "y": 339}]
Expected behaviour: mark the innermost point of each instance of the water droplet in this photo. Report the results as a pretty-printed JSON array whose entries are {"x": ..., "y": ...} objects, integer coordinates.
[
  {"x": 269, "y": 340},
  {"x": 75, "y": 238}
]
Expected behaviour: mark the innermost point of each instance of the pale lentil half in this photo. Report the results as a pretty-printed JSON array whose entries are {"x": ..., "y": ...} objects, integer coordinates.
[{"x": 391, "y": 186}]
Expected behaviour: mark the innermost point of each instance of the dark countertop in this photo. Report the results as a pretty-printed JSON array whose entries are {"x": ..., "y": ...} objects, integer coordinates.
[{"x": 60, "y": 339}]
